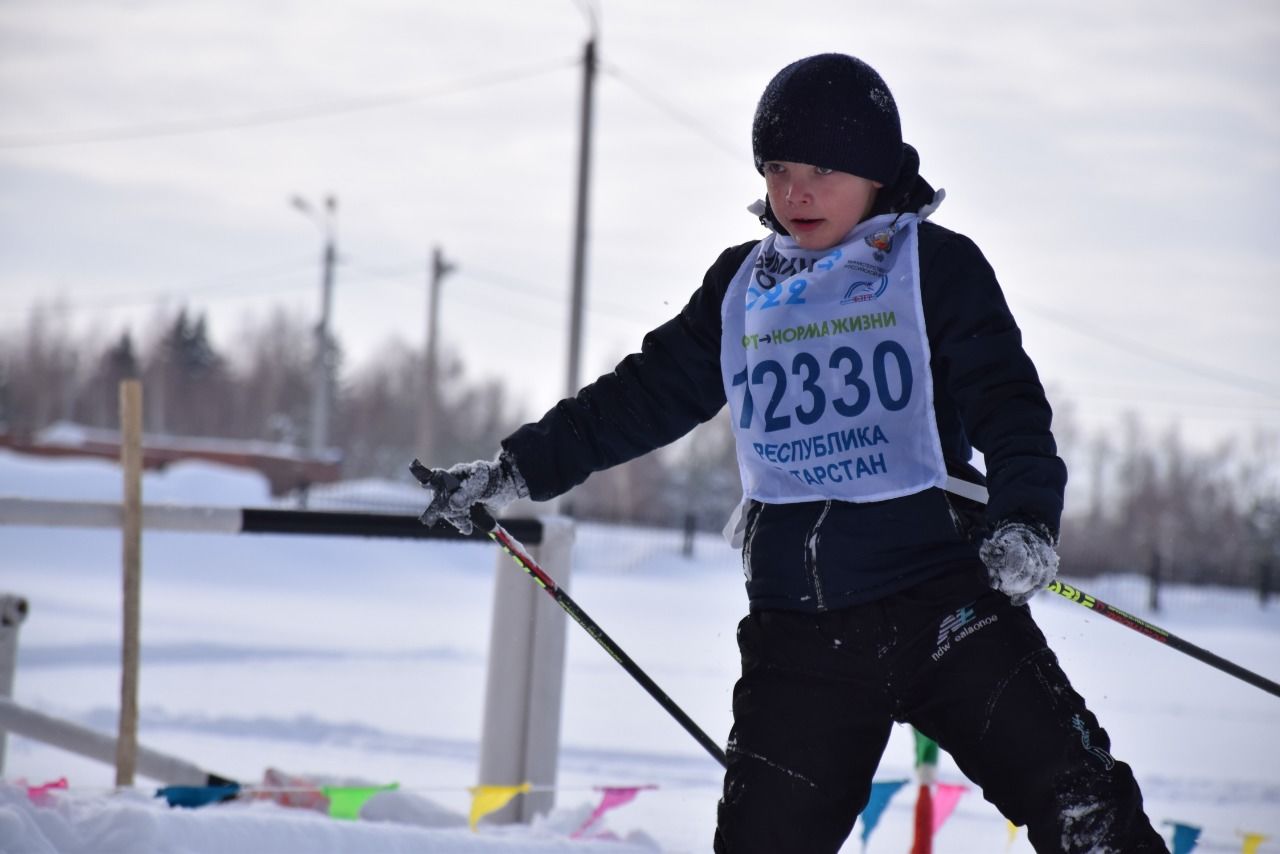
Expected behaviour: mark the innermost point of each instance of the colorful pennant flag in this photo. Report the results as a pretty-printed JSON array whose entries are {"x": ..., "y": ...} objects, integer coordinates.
[
  {"x": 922, "y": 839},
  {"x": 613, "y": 797},
  {"x": 926, "y": 749},
  {"x": 926, "y": 774},
  {"x": 289, "y": 790},
  {"x": 197, "y": 796},
  {"x": 487, "y": 799},
  {"x": 1185, "y": 837},
  {"x": 881, "y": 793},
  {"x": 1252, "y": 841},
  {"x": 39, "y": 795},
  {"x": 944, "y": 802},
  {"x": 345, "y": 802}
]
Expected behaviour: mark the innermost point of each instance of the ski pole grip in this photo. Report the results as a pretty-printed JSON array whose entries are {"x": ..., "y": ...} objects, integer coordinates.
[
  {"x": 442, "y": 481},
  {"x": 421, "y": 472},
  {"x": 482, "y": 518},
  {"x": 435, "y": 479}
]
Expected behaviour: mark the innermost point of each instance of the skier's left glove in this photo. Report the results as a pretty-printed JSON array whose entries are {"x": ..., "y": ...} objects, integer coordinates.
[
  {"x": 493, "y": 483},
  {"x": 1021, "y": 559}
]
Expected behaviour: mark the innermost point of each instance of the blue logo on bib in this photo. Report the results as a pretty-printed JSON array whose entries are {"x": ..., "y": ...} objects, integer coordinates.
[{"x": 865, "y": 291}]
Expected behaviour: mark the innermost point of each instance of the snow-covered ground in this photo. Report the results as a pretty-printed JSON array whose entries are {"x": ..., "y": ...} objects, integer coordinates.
[{"x": 364, "y": 661}]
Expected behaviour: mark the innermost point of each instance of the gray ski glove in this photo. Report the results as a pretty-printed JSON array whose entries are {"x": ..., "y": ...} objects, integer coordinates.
[
  {"x": 493, "y": 483},
  {"x": 1021, "y": 559}
]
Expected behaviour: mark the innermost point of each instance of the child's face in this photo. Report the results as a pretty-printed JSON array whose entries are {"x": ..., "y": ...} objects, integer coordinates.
[{"x": 817, "y": 206}]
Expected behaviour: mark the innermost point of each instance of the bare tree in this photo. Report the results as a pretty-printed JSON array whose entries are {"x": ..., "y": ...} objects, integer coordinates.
[
  {"x": 39, "y": 372},
  {"x": 1202, "y": 514},
  {"x": 379, "y": 412},
  {"x": 273, "y": 367}
]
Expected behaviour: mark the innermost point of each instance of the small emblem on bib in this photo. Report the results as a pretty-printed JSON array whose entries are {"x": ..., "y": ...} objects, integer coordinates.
[
  {"x": 865, "y": 291},
  {"x": 881, "y": 242}
]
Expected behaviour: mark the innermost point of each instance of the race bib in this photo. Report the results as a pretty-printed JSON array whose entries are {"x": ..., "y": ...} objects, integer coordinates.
[{"x": 825, "y": 364}]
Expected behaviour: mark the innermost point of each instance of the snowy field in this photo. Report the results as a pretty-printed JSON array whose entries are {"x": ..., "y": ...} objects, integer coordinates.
[{"x": 363, "y": 661}]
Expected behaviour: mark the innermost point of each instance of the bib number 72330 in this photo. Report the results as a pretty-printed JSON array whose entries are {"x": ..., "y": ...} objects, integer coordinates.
[{"x": 806, "y": 370}]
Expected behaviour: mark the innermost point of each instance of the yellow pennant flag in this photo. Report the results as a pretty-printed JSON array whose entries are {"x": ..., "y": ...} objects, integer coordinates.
[
  {"x": 486, "y": 799},
  {"x": 1251, "y": 842},
  {"x": 1013, "y": 834}
]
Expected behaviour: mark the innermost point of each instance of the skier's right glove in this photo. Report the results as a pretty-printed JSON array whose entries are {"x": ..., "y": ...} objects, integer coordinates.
[
  {"x": 1021, "y": 559},
  {"x": 493, "y": 483}
]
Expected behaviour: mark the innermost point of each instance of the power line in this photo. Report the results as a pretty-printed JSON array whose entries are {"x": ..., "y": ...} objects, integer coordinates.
[
  {"x": 223, "y": 283},
  {"x": 1149, "y": 395},
  {"x": 529, "y": 289},
  {"x": 282, "y": 115},
  {"x": 1231, "y": 413},
  {"x": 1240, "y": 381},
  {"x": 410, "y": 276},
  {"x": 401, "y": 274},
  {"x": 674, "y": 112}
]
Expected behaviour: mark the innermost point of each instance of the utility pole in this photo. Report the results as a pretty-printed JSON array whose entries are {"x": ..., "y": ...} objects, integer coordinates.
[
  {"x": 322, "y": 367},
  {"x": 580, "y": 224},
  {"x": 428, "y": 420}
]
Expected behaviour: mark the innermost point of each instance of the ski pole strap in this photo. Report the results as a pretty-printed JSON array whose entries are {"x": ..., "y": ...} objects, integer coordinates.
[
  {"x": 1093, "y": 603},
  {"x": 482, "y": 518}
]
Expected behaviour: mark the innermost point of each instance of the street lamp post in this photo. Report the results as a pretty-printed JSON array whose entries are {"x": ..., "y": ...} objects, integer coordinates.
[{"x": 321, "y": 380}]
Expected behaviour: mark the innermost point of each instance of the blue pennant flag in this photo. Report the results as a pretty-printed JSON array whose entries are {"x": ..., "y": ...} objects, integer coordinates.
[
  {"x": 197, "y": 796},
  {"x": 881, "y": 793},
  {"x": 1185, "y": 837}
]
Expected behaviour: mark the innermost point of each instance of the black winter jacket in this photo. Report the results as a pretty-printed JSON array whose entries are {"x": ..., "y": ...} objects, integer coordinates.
[{"x": 824, "y": 555}]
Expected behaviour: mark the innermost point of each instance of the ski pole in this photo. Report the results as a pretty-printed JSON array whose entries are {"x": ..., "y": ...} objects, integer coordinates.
[
  {"x": 1093, "y": 603},
  {"x": 977, "y": 493},
  {"x": 485, "y": 522}
]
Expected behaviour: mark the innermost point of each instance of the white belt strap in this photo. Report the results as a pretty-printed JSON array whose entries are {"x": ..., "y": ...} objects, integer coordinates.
[{"x": 965, "y": 489}]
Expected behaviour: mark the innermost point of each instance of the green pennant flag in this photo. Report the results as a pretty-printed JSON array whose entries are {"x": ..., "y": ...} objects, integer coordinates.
[
  {"x": 926, "y": 749},
  {"x": 345, "y": 801}
]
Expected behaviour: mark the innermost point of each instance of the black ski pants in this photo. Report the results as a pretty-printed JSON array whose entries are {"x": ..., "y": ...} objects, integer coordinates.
[{"x": 819, "y": 694}]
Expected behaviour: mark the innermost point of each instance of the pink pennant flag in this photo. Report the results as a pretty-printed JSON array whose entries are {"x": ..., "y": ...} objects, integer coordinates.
[
  {"x": 613, "y": 797},
  {"x": 944, "y": 802},
  {"x": 39, "y": 795},
  {"x": 291, "y": 791}
]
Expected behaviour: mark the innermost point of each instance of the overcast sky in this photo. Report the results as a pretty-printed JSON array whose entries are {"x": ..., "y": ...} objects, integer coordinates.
[{"x": 1117, "y": 162}]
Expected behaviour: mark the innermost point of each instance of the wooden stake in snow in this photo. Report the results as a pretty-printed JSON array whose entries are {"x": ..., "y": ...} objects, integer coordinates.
[{"x": 131, "y": 531}]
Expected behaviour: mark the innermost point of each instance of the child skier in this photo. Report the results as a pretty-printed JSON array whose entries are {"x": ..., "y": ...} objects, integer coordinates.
[{"x": 864, "y": 352}]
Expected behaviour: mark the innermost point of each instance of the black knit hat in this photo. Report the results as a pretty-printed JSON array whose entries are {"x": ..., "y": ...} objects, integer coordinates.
[{"x": 829, "y": 110}]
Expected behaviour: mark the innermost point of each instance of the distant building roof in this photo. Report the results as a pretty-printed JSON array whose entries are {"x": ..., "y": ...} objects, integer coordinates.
[{"x": 286, "y": 467}]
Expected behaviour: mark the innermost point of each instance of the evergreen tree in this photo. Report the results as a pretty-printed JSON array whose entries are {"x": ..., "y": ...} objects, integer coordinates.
[
  {"x": 98, "y": 403},
  {"x": 188, "y": 386}
]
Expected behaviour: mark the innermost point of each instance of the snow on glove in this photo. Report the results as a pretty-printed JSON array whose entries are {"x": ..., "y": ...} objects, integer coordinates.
[
  {"x": 1021, "y": 559},
  {"x": 493, "y": 483}
]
